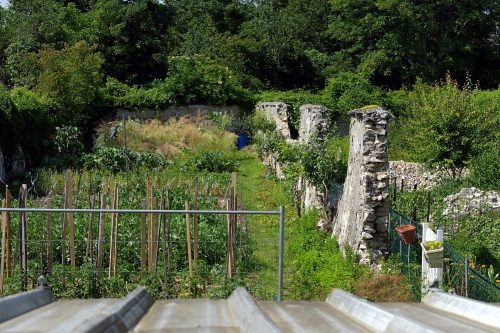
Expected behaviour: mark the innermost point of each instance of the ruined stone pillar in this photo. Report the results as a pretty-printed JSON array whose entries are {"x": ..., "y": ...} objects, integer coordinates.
[
  {"x": 313, "y": 122},
  {"x": 363, "y": 211},
  {"x": 277, "y": 112},
  {"x": 313, "y": 126}
]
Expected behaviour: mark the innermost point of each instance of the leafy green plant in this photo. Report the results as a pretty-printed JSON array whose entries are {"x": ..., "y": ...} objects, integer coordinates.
[
  {"x": 215, "y": 162},
  {"x": 116, "y": 159},
  {"x": 433, "y": 245}
]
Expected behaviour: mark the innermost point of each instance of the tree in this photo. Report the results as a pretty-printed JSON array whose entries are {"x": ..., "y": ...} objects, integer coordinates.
[
  {"x": 397, "y": 41},
  {"x": 447, "y": 127},
  {"x": 72, "y": 77},
  {"x": 132, "y": 36}
]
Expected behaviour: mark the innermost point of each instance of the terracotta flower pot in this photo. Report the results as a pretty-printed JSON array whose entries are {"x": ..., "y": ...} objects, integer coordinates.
[{"x": 408, "y": 233}]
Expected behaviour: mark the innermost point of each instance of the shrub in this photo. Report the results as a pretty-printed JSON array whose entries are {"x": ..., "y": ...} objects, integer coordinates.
[
  {"x": 215, "y": 162},
  {"x": 116, "y": 159},
  {"x": 350, "y": 91},
  {"x": 384, "y": 288},
  {"x": 447, "y": 126},
  {"x": 477, "y": 237}
]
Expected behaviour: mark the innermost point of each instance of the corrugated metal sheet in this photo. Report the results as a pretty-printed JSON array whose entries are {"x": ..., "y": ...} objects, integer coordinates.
[{"x": 341, "y": 312}]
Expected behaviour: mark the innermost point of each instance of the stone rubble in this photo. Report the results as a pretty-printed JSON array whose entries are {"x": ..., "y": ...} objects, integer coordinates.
[
  {"x": 410, "y": 176},
  {"x": 470, "y": 201}
]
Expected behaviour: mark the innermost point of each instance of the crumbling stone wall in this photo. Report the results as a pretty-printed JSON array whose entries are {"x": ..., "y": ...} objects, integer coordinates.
[{"x": 362, "y": 216}]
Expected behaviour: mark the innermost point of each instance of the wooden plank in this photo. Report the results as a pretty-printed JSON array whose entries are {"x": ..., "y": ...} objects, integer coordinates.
[
  {"x": 100, "y": 237},
  {"x": 188, "y": 241},
  {"x": 49, "y": 235},
  {"x": 195, "y": 225},
  {"x": 8, "y": 233},
  {"x": 2, "y": 258},
  {"x": 143, "y": 238},
  {"x": 71, "y": 219}
]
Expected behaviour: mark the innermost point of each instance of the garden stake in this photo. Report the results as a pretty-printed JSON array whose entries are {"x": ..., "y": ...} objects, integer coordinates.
[
  {"x": 143, "y": 238},
  {"x": 8, "y": 234},
  {"x": 89, "y": 252},
  {"x": 188, "y": 240},
  {"x": 2, "y": 259},
  {"x": 195, "y": 224},
  {"x": 71, "y": 220},
  {"x": 49, "y": 235},
  {"x": 163, "y": 221},
  {"x": 23, "y": 193},
  {"x": 100, "y": 236},
  {"x": 169, "y": 251}
]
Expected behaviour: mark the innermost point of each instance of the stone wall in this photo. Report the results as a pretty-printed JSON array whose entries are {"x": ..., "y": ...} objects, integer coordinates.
[
  {"x": 189, "y": 111},
  {"x": 362, "y": 216}
]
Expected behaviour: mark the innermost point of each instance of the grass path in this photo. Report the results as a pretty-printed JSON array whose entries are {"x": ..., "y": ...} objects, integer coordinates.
[{"x": 263, "y": 193}]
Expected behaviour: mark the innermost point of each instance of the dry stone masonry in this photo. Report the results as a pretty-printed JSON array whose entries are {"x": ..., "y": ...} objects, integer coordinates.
[{"x": 362, "y": 216}]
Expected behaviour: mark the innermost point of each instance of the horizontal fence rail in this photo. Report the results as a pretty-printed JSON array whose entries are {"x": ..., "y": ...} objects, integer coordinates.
[
  {"x": 132, "y": 267},
  {"x": 139, "y": 211}
]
